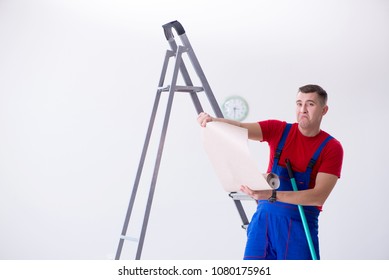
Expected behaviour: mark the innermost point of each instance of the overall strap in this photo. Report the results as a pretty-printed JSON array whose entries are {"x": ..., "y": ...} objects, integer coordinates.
[
  {"x": 313, "y": 160},
  {"x": 281, "y": 144}
]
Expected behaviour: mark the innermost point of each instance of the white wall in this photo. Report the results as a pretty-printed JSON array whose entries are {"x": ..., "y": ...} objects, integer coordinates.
[{"x": 77, "y": 83}]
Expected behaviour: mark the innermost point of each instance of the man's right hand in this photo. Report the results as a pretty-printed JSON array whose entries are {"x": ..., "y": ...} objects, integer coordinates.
[{"x": 204, "y": 118}]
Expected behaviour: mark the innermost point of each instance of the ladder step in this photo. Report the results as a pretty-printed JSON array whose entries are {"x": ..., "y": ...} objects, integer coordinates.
[
  {"x": 240, "y": 196},
  {"x": 189, "y": 89},
  {"x": 129, "y": 238},
  {"x": 183, "y": 88}
]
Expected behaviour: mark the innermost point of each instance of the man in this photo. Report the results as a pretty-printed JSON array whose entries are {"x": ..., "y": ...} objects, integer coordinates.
[{"x": 276, "y": 230}]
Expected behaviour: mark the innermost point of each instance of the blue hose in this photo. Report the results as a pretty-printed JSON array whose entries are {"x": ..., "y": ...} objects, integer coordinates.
[{"x": 301, "y": 210}]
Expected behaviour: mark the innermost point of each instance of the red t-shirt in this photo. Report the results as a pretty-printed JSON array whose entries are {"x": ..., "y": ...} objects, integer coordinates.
[{"x": 300, "y": 149}]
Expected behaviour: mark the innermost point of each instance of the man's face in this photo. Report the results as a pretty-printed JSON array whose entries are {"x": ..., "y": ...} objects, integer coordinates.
[{"x": 309, "y": 110}]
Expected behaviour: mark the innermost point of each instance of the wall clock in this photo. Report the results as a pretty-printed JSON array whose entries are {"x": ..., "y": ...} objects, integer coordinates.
[{"x": 235, "y": 108}]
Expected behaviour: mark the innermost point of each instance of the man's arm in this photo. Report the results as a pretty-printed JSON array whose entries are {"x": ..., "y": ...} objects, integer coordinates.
[
  {"x": 254, "y": 129},
  {"x": 324, "y": 184}
]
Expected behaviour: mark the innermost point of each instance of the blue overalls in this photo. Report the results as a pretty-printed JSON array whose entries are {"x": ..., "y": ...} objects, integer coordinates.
[{"x": 276, "y": 230}]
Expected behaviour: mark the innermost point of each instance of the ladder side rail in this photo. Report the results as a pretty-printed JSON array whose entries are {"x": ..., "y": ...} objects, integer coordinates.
[
  {"x": 242, "y": 213},
  {"x": 214, "y": 105},
  {"x": 193, "y": 94},
  {"x": 186, "y": 77},
  {"x": 159, "y": 154},
  {"x": 143, "y": 155},
  {"x": 196, "y": 100},
  {"x": 200, "y": 73}
]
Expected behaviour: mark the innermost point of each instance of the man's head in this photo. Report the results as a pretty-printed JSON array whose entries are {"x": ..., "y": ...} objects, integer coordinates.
[
  {"x": 311, "y": 106},
  {"x": 317, "y": 89}
]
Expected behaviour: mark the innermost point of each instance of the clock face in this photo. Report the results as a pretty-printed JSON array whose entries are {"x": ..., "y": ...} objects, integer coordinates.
[{"x": 235, "y": 108}]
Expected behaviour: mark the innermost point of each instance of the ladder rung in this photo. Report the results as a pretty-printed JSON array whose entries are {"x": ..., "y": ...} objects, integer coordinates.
[
  {"x": 189, "y": 89},
  {"x": 183, "y": 88},
  {"x": 129, "y": 238},
  {"x": 240, "y": 196}
]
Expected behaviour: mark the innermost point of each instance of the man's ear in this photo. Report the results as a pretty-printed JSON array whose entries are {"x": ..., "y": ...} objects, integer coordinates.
[{"x": 325, "y": 110}]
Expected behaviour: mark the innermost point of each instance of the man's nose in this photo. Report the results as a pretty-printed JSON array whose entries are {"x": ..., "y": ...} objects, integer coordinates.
[{"x": 303, "y": 108}]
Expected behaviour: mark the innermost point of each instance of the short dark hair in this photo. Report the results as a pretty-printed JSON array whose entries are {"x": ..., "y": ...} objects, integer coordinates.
[{"x": 317, "y": 89}]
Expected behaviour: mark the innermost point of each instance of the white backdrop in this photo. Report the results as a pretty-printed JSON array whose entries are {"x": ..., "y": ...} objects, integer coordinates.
[{"x": 77, "y": 84}]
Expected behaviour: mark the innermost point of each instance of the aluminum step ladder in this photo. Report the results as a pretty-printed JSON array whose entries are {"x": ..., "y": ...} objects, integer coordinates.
[{"x": 176, "y": 54}]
